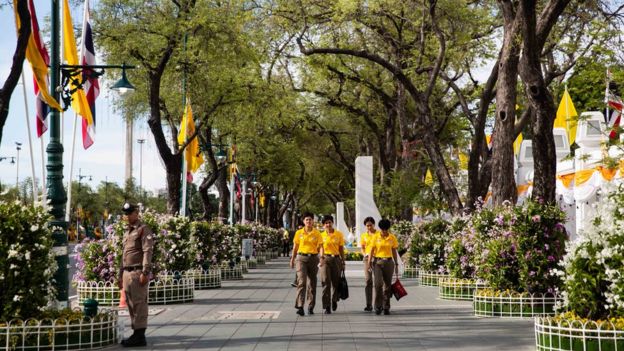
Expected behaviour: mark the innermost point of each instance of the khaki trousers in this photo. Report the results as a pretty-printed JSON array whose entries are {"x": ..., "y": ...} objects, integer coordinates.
[
  {"x": 382, "y": 278},
  {"x": 307, "y": 270},
  {"x": 136, "y": 298},
  {"x": 368, "y": 282},
  {"x": 330, "y": 278}
]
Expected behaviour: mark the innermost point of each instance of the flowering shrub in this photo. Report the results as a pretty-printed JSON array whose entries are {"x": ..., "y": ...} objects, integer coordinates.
[
  {"x": 464, "y": 249},
  {"x": 403, "y": 230},
  {"x": 427, "y": 244},
  {"x": 97, "y": 260},
  {"x": 510, "y": 247},
  {"x": 174, "y": 245},
  {"x": 27, "y": 263},
  {"x": 594, "y": 264},
  {"x": 541, "y": 238},
  {"x": 211, "y": 243},
  {"x": 496, "y": 253}
]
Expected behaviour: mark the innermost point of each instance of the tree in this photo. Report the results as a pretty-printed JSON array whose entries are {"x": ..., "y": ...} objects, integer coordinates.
[{"x": 23, "y": 35}]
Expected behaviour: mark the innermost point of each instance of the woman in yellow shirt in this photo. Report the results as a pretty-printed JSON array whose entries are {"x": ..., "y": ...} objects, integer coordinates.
[
  {"x": 383, "y": 257},
  {"x": 365, "y": 247},
  {"x": 308, "y": 242},
  {"x": 332, "y": 264}
]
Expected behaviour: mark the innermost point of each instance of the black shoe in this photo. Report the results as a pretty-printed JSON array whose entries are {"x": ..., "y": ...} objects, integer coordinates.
[
  {"x": 368, "y": 308},
  {"x": 310, "y": 310},
  {"x": 334, "y": 306},
  {"x": 378, "y": 311},
  {"x": 137, "y": 339},
  {"x": 386, "y": 311},
  {"x": 300, "y": 311},
  {"x": 327, "y": 311}
]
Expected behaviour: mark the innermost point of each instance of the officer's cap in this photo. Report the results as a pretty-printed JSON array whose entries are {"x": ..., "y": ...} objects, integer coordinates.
[{"x": 128, "y": 208}]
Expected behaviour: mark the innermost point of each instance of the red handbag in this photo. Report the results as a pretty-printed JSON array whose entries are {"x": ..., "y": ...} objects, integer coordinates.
[{"x": 397, "y": 289}]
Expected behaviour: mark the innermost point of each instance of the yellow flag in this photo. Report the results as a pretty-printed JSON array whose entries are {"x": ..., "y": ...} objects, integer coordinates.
[
  {"x": 566, "y": 116},
  {"x": 517, "y": 143},
  {"x": 192, "y": 154},
  {"x": 428, "y": 177},
  {"x": 70, "y": 52},
  {"x": 37, "y": 64},
  {"x": 463, "y": 161}
]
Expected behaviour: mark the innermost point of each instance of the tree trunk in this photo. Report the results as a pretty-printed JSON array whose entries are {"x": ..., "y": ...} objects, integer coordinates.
[
  {"x": 224, "y": 196},
  {"x": 503, "y": 181},
  {"x": 18, "y": 62},
  {"x": 540, "y": 99}
]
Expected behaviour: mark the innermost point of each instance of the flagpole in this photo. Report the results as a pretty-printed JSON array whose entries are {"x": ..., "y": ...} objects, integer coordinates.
[
  {"x": 71, "y": 171},
  {"x": 44, "y": 189},
  {"x": 567, "y": 112},
  {"x": 607, "y": 117},
  {"x": 184, "y": 163},
  {"x": 30, "y": 146}
]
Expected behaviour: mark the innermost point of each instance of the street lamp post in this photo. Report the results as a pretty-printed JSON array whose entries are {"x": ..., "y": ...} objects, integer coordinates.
[
  {"x": 18, "y": 147},
  {"x": 141, "y": 142},
  {"x": 57, "y": 196}
]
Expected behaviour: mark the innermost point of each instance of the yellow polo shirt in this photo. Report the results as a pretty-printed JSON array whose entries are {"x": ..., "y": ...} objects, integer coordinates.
[
  {"x": 308, "y": 242},
  {"x": 383, "y": 246},
  {"x": 332, "y": 242},
  {"x": 366, "y": 240}
]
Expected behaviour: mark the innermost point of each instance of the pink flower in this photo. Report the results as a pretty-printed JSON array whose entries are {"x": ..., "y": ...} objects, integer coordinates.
[{"x": 536, "y": 219}]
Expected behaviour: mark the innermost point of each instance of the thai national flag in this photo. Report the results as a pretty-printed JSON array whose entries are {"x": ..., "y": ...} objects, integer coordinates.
[
  {"x": 91, "y": 85},
  {"x": 614, "y": 102},
  {"x": 41, "y": 107}
]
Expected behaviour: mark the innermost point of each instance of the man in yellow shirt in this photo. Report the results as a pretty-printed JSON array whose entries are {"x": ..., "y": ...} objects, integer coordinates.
[
  {"x": 332, "y": 264},
  {"x": 384, "y": 258},
  {"x": 308, "y": 242},
  {"x": 366, "y": 241}
]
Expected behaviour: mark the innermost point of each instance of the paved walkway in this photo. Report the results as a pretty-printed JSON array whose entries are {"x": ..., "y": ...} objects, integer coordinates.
[{"x": 420, "y": 321}]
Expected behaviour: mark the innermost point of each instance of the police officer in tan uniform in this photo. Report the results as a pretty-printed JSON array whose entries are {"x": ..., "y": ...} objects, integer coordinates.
[{"x": 138, "y": 248}]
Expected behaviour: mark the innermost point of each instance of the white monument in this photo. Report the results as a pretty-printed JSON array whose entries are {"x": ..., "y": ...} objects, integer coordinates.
[
  {"x": 341, "y": 225},
  {"x": 364, "y": 200}
]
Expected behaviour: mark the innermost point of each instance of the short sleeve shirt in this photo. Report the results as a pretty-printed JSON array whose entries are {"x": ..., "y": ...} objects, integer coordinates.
[
  {"x": 332, "y": 242},
  {"x": 366, "y": 241},
  {"x": 383, "y": 246},
  {"x": 308, "y": 242}
]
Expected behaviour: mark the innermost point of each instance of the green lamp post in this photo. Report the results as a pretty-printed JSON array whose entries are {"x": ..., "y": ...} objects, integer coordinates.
[{"x": 57, "y": 197}]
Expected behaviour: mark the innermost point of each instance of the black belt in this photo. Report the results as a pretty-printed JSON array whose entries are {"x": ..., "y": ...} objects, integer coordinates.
[
  {"x": 383, "y": 258},
  {"x": 332, "y": 255},
  {"x": 306, "y": 254},
  {"x": 133, "y": 268}
]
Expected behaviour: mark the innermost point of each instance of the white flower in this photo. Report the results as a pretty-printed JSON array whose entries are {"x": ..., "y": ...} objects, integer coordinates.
[
  {"x": 34, "y": 228},
  {"x": 13, "y": 253},
  {"x": 17, "y": 298}
]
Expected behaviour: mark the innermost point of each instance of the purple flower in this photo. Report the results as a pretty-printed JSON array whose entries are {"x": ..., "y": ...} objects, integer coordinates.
[{"x": 532, "y": 273}]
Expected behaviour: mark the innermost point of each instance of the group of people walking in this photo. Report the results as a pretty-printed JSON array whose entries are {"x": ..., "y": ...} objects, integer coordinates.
[{"x": 313, "y": 250}]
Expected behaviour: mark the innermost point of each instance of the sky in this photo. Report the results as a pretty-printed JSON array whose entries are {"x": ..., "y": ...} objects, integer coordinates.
[{"x": 105, "y": 158}]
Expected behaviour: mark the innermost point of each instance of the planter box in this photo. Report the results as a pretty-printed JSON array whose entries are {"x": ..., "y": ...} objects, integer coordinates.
[
  {"x": 60, "y": 334},
  {"x": 458, "y": 289},
  {"x": 252, "y": 263},
  {"x": 205, "y": 279},
  {"x": 106, "y": 293},
  {"x": 231, "y": 273},
  {"x": 244, "y": 266},
  {"x": 426, "y": 278},
  {"x": 168, "y": 290},
  {"x": 577, "y": 336},
  {"x": 410, "y": 272},
  {"x": 507, "y": 305},
  {"x": 261, "y": 259}
]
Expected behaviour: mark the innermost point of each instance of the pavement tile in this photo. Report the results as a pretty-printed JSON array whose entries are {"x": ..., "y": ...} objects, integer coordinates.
[{"x": 420, "y": 321}]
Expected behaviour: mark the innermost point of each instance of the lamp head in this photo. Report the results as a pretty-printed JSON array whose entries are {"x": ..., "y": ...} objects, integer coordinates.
[
  {"x": 123, "y": 85},
  {"x": 220, "y": 156}
]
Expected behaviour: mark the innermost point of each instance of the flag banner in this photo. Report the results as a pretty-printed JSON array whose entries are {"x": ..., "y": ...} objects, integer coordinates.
[
  {"x": 567, "y": 117},
  {"x": 79, "y": 99},
  {"x": 614, "y": 102},
  {"x": 428, "y": 177},
  {"x": 517, "y": 144},
  {"x": 36, "y": 56},
  {"x": 41, "y": 108},
  {"x": 192, "y": 154},
  {"x": 91, "y": 85}
]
